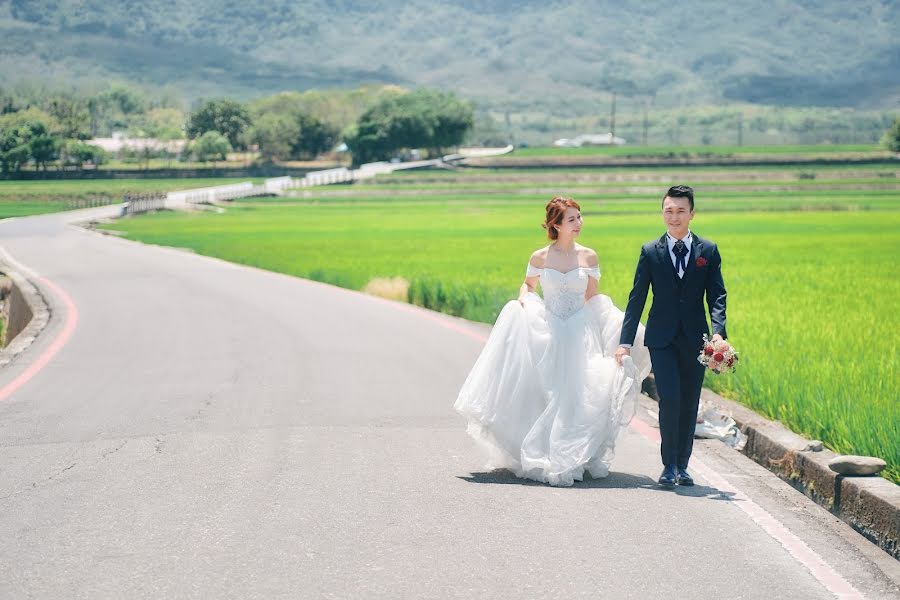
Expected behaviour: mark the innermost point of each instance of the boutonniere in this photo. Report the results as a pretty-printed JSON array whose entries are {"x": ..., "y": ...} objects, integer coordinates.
[{"x": 701, "y": 262}]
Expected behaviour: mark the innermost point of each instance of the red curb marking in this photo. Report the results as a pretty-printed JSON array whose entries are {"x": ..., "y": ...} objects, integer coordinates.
[
  {"x": 443, "y": 321},
  {"x": 797, "y": 548},
  {"x": 71, "y": 315},
  {"x": 806, "y": 556},
  {"x": 802, "y": 553}
]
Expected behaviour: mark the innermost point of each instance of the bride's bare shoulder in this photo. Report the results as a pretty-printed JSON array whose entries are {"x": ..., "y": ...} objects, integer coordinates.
[
  {"x": 589, "y": 256},
  {"x": 539, "y": 257}
]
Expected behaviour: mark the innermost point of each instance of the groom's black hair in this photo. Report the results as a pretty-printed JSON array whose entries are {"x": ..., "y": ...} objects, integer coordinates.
[{"x": 681, "y": 191}]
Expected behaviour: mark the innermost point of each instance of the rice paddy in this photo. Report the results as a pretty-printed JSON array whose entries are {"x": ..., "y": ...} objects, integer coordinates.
[{"x": 809, "y": 259}]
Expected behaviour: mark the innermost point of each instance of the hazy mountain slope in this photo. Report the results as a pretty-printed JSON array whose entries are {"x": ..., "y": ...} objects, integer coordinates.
[{"x": 563, "y": 54}]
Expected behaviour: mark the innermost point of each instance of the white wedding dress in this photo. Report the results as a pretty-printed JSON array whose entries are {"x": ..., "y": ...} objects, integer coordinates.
[{"x": 546, "y": 396}]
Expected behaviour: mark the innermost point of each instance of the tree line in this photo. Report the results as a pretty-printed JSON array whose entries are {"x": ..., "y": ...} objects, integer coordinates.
[
  {"x": 375, "y": 123},
  {"x": 44, "y": 128}
]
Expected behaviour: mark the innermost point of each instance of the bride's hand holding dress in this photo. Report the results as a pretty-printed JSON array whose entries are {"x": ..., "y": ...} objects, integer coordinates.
[{"x": 547, "y": 397}]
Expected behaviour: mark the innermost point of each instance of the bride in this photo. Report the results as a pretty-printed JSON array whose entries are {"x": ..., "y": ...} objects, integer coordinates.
[{"x": 546, "y": 396}]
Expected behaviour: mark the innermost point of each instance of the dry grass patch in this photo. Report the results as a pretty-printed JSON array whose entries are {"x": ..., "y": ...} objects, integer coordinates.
[{"x": 392, "y": 288}]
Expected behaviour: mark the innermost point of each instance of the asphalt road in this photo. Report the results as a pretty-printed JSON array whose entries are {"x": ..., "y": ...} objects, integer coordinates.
[{"x": 217, "y": 431}]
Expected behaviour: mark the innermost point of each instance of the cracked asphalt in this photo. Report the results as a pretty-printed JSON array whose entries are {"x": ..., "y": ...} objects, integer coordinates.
[{"x": 212, "y": 430}]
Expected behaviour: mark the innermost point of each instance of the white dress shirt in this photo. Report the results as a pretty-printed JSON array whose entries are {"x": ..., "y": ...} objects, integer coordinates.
[{"x": 688, "y": 240}]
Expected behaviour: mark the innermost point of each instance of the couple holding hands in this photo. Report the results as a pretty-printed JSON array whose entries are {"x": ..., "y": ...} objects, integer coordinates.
[{"x": 559, "y": 377}]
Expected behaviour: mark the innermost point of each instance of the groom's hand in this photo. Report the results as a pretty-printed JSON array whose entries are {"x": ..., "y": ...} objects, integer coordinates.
[
  {"x": 717, "y": 338},
  {"x": 621, "y": 353}
]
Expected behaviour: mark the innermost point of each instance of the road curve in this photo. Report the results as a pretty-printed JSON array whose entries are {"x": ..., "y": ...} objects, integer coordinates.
[{"x": 213, "y": 430}]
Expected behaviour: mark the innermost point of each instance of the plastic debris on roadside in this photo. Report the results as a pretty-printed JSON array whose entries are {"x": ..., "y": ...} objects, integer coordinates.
[{"x": 712, "y": 423}]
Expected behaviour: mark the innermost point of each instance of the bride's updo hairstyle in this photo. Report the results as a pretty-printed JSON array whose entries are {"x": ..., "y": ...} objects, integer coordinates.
[{"x": 556, "y": 208}]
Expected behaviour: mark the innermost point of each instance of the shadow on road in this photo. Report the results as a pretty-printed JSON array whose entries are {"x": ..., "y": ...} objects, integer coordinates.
[
  {"x": 613, "y": 481},
  {"x": 703, "y": 491}
]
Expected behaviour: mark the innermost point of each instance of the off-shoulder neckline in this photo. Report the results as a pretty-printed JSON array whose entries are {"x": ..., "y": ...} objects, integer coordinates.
[{"x": 578, "y": 268}]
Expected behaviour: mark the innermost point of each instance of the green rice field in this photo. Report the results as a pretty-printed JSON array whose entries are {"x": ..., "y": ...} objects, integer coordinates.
[
  {"x": 809, "y": 259},
  {"x": 22, "y": 198},
  {"x": 671, "y": 151}
]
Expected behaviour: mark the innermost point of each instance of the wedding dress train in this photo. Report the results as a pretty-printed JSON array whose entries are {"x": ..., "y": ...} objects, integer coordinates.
[{"x": 546, "y": 397}]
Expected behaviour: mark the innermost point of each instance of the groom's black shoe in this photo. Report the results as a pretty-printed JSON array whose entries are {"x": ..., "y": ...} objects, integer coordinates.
[
  {"x": 667, "y": 479},
  {"x": 682, "y": 478}
]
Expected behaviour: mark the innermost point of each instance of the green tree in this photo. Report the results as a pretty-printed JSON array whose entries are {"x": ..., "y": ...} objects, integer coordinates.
[
  {"x": 124, "y": 99},
  {"x": 228, "y": 117},
  {"x": 388, "y": 126},
  {"x": 212, "y": 145},
  {"x": 27, "y": 135},
  {"x": 891, "y": 139},
  {"x": 276, "y": 135},
  {"x": 114, "y": 109},
  {"x": 16, "y": 158},
  {"x": 105, "y": 114},
  {"x": 44, "y": 149},
  {"x": 340, "y": 108},
  {"x": 422, "y": 119},
  {"x": 161, "y": 123},
  {"x": 72, "y": 115},
  {"x": 316, "y": 136},
  {"x": 76, "y": 152},
  {"x": 29, "y": 117},
  {"x": 10, "y": 102}
]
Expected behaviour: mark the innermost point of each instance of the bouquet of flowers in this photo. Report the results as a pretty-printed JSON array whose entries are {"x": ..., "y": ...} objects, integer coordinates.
[{"x": 718, "y": 355}]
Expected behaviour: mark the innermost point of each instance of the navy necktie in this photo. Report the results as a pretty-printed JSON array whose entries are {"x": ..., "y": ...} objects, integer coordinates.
[{"x": 680, "y": 257}]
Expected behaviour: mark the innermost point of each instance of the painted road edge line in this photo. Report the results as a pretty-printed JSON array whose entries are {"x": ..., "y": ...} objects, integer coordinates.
[
  {"x": 68, "y": 328},
  {"x": 797, "y": 548}
]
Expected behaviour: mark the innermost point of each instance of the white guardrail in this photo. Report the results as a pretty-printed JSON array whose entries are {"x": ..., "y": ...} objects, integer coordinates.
[
  {"x": 326, "y": 177},
  {"x": 365, "y": 171},
  {"x": 211, "y": 195},
  {"x": 277, "y": 185}
]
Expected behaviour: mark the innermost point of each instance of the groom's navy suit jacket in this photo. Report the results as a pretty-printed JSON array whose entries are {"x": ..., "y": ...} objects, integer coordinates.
[{"x": 677, "y": 304}]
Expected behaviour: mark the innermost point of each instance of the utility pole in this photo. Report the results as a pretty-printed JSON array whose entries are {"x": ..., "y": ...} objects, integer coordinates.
[
  {"x": 646, "y": 122},
  {"x": 612, "y": 117},
  {"x": 740, "y": 139},
  {"x": 648, "y": 102}
]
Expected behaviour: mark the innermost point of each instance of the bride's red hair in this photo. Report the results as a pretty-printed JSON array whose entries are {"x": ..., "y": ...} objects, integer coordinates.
[{"x": 556, "y": 208}]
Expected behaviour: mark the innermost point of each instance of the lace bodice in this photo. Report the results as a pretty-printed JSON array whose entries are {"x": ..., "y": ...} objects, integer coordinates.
[{"x": 564, "y": 292}]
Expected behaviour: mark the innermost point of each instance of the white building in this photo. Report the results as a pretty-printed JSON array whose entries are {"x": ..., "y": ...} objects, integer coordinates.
[
  {"x": 590, "y": 139},
  {"x": 119, "y": 142}
]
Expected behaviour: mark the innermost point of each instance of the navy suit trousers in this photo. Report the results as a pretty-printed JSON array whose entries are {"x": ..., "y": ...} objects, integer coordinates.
[{"x": 679, "y": 379}]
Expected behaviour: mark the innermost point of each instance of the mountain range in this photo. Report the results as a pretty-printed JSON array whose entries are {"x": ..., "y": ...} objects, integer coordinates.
[{"x": 557, "y": 57}]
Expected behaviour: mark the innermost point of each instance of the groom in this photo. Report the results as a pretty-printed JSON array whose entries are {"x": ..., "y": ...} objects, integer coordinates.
[{"x": 682, "y": 267}]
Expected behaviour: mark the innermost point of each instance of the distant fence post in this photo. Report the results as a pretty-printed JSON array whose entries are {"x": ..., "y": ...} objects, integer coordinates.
[{"x": 89, "y": 202}]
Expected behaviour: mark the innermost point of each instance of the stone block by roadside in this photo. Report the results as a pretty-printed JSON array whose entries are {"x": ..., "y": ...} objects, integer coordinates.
[
  {"x": 869, "y": 504},
  {"x": 856, "y": 465},
  {"x": 29, "y": 314}
]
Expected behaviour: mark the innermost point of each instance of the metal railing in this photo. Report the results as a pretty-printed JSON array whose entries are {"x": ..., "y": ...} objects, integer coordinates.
[
  {"x": 186, "y": 199},
  {"x": 211, "y": 195},
  {"x": 134, "y": 204},
  {"x": 90, "y": 202}
]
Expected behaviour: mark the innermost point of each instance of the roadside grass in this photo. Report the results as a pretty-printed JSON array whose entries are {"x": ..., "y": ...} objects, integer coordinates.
[
  {"x": 809, "y": 263},
  {"x": 808, "y": 290}
]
